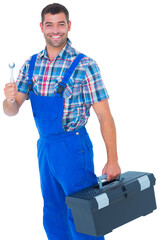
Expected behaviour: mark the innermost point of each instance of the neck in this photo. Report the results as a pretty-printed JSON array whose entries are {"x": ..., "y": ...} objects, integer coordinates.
[{"x": 53, "y": 51}]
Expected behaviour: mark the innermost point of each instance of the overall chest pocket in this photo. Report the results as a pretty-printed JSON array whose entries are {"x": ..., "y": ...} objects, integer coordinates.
[{"x": 48, "y": 113}]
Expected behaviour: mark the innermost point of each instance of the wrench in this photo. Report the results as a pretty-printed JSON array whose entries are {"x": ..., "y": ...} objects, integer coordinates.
[{"x": 11, "y": 66}]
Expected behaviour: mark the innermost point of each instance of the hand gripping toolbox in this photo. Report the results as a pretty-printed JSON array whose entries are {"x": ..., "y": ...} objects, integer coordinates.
[{"x": 98, "y": 211}]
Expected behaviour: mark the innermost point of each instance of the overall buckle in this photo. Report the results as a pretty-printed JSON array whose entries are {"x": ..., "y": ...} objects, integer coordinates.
[
  {"x": 61, "y": 88},
  {"x": 30, "y": 87}
]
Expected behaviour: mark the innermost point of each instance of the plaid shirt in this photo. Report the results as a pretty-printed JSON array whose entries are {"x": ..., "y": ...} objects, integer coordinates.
[{"x": 84, "y": 88}]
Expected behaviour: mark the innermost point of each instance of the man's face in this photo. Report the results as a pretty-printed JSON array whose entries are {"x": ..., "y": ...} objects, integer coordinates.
[{"x": 55, "y": 29}]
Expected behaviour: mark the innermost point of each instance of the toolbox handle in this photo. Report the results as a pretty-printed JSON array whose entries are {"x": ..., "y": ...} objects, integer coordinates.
[{"x": 100, "y": 178}]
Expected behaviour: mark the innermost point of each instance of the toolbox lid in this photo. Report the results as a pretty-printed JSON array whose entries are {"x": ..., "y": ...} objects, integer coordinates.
[{"x": 111, "y": 192}]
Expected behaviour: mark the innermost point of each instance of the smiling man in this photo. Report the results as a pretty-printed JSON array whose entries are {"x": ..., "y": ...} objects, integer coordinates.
[{"x": 62, "y": 85}]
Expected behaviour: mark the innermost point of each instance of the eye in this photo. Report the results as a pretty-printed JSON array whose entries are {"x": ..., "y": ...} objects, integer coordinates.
[
  {"x": 48, "y": 24},
  {"x": 62, "y": 24}
]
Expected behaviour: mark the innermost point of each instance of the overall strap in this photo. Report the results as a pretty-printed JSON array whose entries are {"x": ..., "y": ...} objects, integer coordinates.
[
  {"x": 30, "y": 72},
  {"x": 62, "y": 85}
]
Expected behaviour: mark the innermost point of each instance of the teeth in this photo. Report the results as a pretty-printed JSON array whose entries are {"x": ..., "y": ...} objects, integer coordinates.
[{"x": 55, "y": 37}]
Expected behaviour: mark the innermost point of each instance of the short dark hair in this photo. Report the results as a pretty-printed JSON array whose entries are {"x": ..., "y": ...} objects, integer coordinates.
[{"x": 54, "y": 8}]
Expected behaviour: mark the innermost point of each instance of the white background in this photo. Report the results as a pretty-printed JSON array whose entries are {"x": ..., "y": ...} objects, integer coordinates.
[{"x": 123, "y": 37}]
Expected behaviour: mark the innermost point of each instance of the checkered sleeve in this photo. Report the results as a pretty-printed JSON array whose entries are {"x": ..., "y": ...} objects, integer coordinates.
[
  {"x": 22, "y": 78},
  {"x": 93, "y": 87}
]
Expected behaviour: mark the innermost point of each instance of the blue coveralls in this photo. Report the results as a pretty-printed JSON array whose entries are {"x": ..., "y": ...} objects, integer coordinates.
[{"x": 65, "y": 160}]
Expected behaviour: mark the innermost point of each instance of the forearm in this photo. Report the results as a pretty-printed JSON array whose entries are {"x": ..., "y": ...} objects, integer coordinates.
[
  {"x": 9, "y": 108},
  {"x": 108, "y": 131}
]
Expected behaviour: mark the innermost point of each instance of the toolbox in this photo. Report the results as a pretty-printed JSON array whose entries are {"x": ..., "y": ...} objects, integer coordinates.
[{"x": 99, "y": 209}]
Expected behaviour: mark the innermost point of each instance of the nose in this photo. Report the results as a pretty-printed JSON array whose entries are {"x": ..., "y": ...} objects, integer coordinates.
[{"x": 55, "y": 29}]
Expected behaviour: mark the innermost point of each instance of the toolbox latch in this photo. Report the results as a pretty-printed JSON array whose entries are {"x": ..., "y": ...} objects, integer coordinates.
[
  {"x": 144, "y": 182},
  {"x": 102, "y": 200}
]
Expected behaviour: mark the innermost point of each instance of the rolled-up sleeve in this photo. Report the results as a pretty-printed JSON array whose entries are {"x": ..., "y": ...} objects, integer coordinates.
[{"x": 94, "y": 89}]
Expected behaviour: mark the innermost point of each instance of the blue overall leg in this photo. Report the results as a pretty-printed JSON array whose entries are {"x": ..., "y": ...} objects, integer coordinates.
[
  {"x": 54, "y": 210},
  {"x": 66, "y": 166}
]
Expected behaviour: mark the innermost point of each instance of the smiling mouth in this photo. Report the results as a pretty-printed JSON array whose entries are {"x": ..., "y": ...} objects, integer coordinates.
[{"x": 55, "y": 37}]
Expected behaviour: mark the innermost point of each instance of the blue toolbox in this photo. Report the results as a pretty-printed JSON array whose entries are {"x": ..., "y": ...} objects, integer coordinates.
[{"x": 99, "y": 209}]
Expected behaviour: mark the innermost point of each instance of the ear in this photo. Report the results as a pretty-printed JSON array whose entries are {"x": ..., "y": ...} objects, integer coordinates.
[
  {"x": 41, "y": 26},
  {"x": 69, "y": 26}
]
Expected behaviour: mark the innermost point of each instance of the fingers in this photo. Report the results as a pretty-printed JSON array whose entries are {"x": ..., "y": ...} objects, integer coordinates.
[
  {"x": 10, "y": 91},
  {"x": 111, "y": 177},
  {"x": 112, "y": 171}
]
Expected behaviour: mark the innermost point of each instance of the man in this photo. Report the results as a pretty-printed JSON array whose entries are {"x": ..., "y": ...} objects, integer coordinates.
[{"x": 62, "y": 85}]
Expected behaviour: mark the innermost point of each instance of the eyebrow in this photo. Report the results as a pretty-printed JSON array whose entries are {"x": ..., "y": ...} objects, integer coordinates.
[
  {"x": 48, "y": 23},
  {"x": 62, "y": 22},
  {"x": 58, "y": 22}
]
